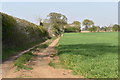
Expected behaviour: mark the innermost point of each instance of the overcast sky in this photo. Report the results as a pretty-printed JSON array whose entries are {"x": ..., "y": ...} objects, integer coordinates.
[{"x": 102, "y": 13}]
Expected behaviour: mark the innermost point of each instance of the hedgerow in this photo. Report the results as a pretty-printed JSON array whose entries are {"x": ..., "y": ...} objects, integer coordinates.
[
  {"x": 18, "y": 32},
  {"x": 72, "y": 29}
]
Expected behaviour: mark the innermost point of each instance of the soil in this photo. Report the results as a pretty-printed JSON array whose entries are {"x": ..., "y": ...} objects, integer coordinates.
[{"x": 40, "y": 66}]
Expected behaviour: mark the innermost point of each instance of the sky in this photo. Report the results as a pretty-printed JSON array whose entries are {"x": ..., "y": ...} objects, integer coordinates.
[{"x": 101, "y": 13}]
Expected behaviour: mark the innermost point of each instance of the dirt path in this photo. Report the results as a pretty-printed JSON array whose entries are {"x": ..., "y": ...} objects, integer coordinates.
[{"x": 40, "y": 66}]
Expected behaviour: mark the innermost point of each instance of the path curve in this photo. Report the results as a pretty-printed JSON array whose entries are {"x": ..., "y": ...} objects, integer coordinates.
[{"x": 41, "y": 69}]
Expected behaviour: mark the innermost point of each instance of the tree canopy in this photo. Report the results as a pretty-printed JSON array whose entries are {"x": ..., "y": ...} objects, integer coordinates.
[
  {"x": 57, "y": 22},
  {"x": 87, "y": 23},
  {"x": 76, "y": 23},
  {"x": 57, "y": 18},
  {"x": 116, "y": 27}
]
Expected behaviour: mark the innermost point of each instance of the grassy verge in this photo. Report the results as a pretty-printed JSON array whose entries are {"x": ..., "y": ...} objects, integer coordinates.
[
  {"x": 52, "y": 64},
  {"x": 7, "y": 52},
  {"x": 22, "y": 60},
  {"x": 92, "y": 55},
  {"x": 46, "y": 44},
  {"x": 19, "y": 63}
]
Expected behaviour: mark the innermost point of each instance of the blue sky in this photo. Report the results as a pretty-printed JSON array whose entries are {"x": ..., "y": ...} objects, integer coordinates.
[{"x": 102, "y": 13}]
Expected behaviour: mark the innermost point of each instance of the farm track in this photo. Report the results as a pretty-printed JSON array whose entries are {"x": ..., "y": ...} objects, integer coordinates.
[{"x": 40, "y": 66}]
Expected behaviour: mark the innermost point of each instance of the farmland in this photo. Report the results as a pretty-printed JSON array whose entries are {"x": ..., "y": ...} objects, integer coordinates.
[{"x": 92, "y": 55}]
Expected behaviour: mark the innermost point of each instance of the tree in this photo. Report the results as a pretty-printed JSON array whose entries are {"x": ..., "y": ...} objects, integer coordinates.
[
  {"x": 77, "y": 24},
  {"x": 98, "y": 28},
  {"x": 57, "y": 18},
  {"x": 105, "y": 28},
  {"x": 72, "y": 29},
  {"x": 116, "y": 27},
  {"x": 87, "y": 23},
  {"x": 110, "y": 28},
  {"x": 92, "y": 29},
  {"x": 57, "y": 22}
]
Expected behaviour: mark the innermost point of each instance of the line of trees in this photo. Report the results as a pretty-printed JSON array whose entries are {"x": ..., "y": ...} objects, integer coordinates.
[
  {"x": 74, "y": 27},
  {"x": 114, "y": 28},
  {"x": 56, "y": 24}
]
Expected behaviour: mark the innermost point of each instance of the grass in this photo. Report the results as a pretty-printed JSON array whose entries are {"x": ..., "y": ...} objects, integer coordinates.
[
  {"x": 7, "y": 52},
  {"x": 52, "y": 64},
  {"x": 45, "y": 45},
  {"x": 19, "y": 63},
  {"x": 92, "y": 55}
]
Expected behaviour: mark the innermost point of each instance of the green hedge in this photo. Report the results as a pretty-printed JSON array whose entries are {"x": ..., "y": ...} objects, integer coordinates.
[
  {"x": 72, "y": 29},
  {"x": 18, "y": 32}
]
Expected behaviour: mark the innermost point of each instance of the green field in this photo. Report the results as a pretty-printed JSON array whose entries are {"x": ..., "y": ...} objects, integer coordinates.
[{"x": 92, "y": 55}]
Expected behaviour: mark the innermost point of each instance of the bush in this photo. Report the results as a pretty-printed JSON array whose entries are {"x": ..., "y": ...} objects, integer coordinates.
[{"x": 72, "y": 29}]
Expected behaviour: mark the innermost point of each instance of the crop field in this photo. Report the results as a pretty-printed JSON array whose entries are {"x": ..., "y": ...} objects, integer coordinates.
[{"x": 92, "y": 55}]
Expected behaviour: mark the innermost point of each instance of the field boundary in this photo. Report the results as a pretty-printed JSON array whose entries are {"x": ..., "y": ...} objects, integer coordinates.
[{"x": 22, "y": 52}]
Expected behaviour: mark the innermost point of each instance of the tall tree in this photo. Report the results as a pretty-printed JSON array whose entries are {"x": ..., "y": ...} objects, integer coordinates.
[
  {"x": 93, "y": 29},
  {"x": 87, "y": 23},
  {"x": 77, "y": 25},
  {"x": 116, "y": 27},
  {"x": 105, "y": 28},
  {"x": 57, "y": 22},
  {"x": 57, "y": 18}
]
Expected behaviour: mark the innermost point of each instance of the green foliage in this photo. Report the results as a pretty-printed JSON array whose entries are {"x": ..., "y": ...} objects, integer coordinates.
[
  {"x": 105, "y": 28},
  {"x": 19, "y": 63},
  {"x": 76, "y": 23},
  {"x": 8, "y": 24},
  {"x": 57, "y": 22},
  {"x": 72, "y": 29},
  {"x": 57, "y": 30},
  {"x": 87, "y": 23},
  {"x": 17, "y": 32},
  {"x": 52, "y": 64},
  {"x": 116, "y": 27},
  {"x": 92, "y": 55},
  {"x": 92, "y": 29},
  {"x": 7, "y": 52},
  {"x": 57, "y": 18}
]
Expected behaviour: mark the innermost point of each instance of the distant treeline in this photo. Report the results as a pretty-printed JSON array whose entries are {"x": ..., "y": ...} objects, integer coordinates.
[{"x": 17, "y": 32}]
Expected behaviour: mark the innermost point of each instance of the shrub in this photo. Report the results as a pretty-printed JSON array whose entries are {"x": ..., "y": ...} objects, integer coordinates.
[{"x": 72, "y": 29}]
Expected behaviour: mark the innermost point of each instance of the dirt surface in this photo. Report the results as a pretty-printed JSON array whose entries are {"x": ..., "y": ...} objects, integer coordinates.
[
  {"x": 40, "y": 66},
  {"x": 85, "y": 31}
]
